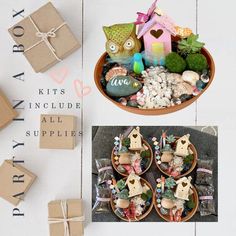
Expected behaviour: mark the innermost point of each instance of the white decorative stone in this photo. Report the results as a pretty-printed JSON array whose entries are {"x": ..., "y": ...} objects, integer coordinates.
[
  {"x": 190, "y": 77},
  {"x": 182, "y": 88}
]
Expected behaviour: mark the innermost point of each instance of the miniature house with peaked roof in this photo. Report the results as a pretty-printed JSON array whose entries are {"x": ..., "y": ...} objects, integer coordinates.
[
  {"x": 135, "y": 139},
  {"x": 183, "y": 188},
  {"x": 134, "y": 185},
  {"x": 157, "y": 32},
  {"x": 182, "y": 147}
]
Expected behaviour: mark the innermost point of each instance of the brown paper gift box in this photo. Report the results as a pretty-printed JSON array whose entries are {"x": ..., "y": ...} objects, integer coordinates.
[
  {"x": 45, "y": 18},
  {"x": 61, "y": 124},
  {"x": 74, "y": 209},
  {"x": 8, "y": 188},
  {"x": 7, "y": 113}
]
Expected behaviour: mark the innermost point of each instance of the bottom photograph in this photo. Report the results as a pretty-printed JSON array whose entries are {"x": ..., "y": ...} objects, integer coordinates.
[{"x": 154, "y": 174}]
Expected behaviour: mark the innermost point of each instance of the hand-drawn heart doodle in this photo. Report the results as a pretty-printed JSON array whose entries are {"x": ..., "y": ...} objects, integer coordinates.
[
  {"x": 132, "y": 181},
  {"x": 59, "y": 75},
  {"x": 156, "y": 33},
  {"x": 183, "y": 142},
  {"x": 80, "y": 89}
]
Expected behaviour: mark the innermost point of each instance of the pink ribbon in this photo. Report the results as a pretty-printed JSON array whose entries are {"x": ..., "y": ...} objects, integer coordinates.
[
  {"x": 105, "y": 168},
  {"x": 100, "y": 199},
  {"x": 206, "y": 198},
  {"x": 204, "y": 170}
]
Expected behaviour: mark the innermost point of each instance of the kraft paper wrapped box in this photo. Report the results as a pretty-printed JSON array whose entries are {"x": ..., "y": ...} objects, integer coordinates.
[
  {"x": 57, "y": 132},
  {"x": 45, "y": 36},
  {"x": 15, "y": 181},
  {"x": 68, "y": 211},
  {"x": 7, "y": 113}
]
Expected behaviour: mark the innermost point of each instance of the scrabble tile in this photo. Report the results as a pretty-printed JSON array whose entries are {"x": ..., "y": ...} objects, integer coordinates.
[
  {"x": 7, "y": 113},
  {"x": 57, "y": 132},
  {"x": 15, "y": 181}
]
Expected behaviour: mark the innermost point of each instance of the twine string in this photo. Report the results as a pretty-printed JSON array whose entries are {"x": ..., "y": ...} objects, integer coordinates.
[
  {"x": 44, "y": 37},
  {"x": 65, "y": 220}
]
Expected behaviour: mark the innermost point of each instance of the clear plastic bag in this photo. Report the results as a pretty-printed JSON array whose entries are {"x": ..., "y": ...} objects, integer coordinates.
[
  {"x": 105, "y": 170},
  {"x": 206, "y": 199},
  {"x": 103, "y": 198},
  {"x": 204, "y": 172}
]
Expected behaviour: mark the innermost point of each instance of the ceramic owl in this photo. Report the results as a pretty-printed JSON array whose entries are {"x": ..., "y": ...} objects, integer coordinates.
[{"x": 122, "y": 42}]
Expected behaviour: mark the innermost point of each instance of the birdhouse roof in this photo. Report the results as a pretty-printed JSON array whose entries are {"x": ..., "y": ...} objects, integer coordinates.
[
  {"x": 163, "y": 20},
  {"x": 185, "y": 137},
  {"x": 185, "y": 179},
  {"x": 132, "y": 176},
  {"x": 135, "y": 131}
]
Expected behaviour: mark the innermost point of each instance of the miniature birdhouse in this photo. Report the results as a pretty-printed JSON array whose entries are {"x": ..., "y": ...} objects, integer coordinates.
[
  {"x": 135, "y": 139},
  {"x": 183, "y": 188},
  {"x": 182, "y": 147},
  {"x": 156, "y": 33},
  {"x": 134, "y": 185}
]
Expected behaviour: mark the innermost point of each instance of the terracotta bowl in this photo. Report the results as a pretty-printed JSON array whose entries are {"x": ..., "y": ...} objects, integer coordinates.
[
  {"x": 139, "y": 218},
  {"x": 186, "y": 218},
  {"x": 162, "y": 111},
  {"x": 150, "y": 163},
  {"x": 195, "y": 158}
]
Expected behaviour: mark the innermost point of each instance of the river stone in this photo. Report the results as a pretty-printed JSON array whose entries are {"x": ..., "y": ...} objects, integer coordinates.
[
  {"x": 122, "y": 86},
  {"x": 121, "y": 169},
  {"x": 190, "y": 77},
  {"x": 164, "y": 211},
  {"x": 185, "y": 97},
  {"x": 132, "y": 103},
  {"x": 182, "y": 88}
]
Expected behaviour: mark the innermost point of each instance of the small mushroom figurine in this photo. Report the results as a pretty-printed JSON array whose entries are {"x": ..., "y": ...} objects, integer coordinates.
[
  {"x": 167, "y": 154},
  {"x": 123, "y": 199},
  {"x": 124, "y": 158}
]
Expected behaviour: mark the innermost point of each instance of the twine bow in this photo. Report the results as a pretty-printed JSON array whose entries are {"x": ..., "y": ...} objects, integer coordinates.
[
  {"x": 45, "y": 37},
  {"x": 65, "y": 220}
]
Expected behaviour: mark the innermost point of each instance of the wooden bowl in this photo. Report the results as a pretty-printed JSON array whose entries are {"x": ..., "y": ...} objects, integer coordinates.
[
  {"x": 139, "y": 218},
  {"x": 161, "y": 111},
  {"x": 195, "y": 158},
  {"x": 186, "y": 218},
  {"x": 151, "y": 160}
]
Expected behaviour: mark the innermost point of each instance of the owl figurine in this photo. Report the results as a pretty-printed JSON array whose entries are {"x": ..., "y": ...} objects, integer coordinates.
[{"x": 122, "y": 42}]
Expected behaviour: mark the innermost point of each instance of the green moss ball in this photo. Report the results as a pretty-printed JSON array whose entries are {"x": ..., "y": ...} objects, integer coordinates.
[
  {"x": 175, "y": 63},
  {"x": 197, "y": 62}
]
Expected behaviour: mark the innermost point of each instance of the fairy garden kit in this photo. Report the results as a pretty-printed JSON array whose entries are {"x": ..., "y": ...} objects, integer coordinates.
[
  {"x": 131, "y": 154},
  {"x": 183, "y": 187},
  {"x": 153, "y": 66},
  {"x": 175, "y": 156}
]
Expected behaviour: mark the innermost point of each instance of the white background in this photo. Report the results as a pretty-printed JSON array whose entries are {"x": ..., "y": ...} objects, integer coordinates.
[{"x": 59, "y": 172}]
